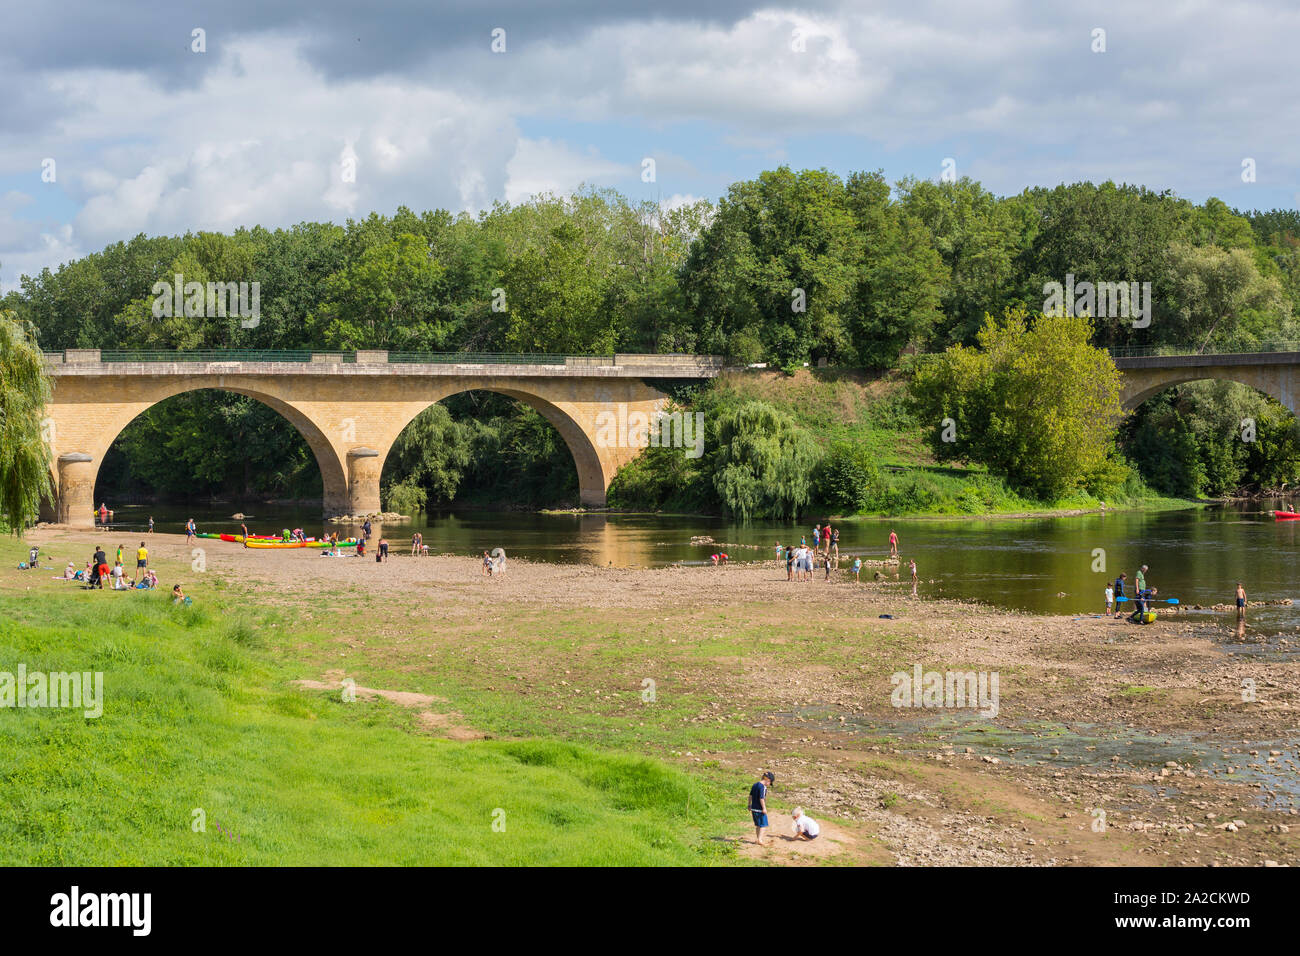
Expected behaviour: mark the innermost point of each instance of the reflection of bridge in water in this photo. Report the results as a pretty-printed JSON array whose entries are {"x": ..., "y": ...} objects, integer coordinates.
[{"x": 350, "y": 407}]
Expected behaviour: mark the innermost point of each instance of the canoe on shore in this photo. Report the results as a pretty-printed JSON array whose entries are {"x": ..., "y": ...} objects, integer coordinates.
[{"x": 299, "y": 544}]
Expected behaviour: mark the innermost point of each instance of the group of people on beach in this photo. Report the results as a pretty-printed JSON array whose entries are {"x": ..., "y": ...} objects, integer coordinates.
[{"x": 494, "y": 563}]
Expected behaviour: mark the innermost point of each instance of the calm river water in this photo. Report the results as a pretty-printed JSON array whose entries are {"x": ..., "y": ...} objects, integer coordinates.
[{"x": 1194, "y": 555}]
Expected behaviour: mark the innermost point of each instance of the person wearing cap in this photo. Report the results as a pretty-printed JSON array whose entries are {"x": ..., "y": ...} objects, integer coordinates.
[
  {"x": 758, "y": 804},
  {"x": 805, "y": 827}
]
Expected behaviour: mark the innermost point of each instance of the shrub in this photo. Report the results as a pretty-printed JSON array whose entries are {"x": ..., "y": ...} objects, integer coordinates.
[
  {"x": 406, "y": 498},
  {"x": 847, "y": 479}
]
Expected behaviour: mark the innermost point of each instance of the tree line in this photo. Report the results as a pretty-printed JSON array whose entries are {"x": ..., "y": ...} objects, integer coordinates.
[{"x": 788, "y": 268}]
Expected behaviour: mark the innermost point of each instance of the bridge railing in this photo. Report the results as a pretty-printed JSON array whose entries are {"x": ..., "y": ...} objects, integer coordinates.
[
  {"x": 496, "y": 358},
  {"x": 1159, "y": 350},
  {"x": 199, "y": 355},
  {"x": 312, "y": 356}
]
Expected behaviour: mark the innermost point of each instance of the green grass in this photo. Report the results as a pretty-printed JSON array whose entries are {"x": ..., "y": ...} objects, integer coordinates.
[{"x": 198, "y": 716}]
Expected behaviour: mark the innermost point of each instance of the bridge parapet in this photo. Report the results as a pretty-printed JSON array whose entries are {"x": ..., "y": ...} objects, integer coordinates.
[
  {"x": 1214, "y": 360},
  {"x": 372, "y": 362}
]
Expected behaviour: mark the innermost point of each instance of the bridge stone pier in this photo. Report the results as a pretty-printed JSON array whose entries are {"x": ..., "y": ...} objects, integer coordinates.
[
  {"x": 1276, "y": 374},
  {"x": 350, "y": 408}
]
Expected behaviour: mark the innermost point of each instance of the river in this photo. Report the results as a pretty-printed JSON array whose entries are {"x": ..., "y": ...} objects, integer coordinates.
[{"x": 1195, "y": 555}]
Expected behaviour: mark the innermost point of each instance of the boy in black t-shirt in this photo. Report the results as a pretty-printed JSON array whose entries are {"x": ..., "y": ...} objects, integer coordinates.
[{"x": 758, "y": 804}]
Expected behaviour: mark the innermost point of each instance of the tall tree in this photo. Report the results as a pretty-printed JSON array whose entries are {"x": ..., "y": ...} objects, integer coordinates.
[
  {"x": 978, "y": 237},
  {"x": 24, "y": 451},
  {"x": 1106, "y": 233},
  {"x": 556, "y": 297},
  {"x": 772, "y": 275},
  {"x": 1035, "y": 402},
  {"x": 1219, "y": 297},
  {"x": 898, "y": 299},
  {"x": 386, "y": 299}
]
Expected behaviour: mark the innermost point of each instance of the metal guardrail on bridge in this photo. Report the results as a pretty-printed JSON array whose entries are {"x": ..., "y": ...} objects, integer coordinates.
[
  {"x": 1156, "y": 351},
  {"x": 496, "y": 358},
  {"x": 224, "y": 355}
]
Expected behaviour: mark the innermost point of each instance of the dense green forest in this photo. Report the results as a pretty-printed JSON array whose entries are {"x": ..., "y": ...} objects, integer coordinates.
[{"x": 790, "y": 268}]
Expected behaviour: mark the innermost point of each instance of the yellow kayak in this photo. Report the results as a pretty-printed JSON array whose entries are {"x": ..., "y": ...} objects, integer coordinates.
[{"x": 297, "y": 544}]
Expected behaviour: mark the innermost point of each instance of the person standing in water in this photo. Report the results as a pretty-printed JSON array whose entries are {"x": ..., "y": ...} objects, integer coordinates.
[
  {"x": 912, "y": 562},
  {"x": 1241, "y": 602},
  {"x": 893, "y": 543}
]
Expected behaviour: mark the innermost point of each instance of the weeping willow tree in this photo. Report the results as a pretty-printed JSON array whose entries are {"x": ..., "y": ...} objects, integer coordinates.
[
  {"x": 24, "y": 454},
  {"x": 762, "y": 462}
]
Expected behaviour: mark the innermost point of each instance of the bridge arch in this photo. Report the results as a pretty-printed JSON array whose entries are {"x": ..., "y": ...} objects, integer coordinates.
[
  {"x": 83, "y": 433},
  {"x": 575, "y": 423},
  {"x": 1142, "y": 384}
]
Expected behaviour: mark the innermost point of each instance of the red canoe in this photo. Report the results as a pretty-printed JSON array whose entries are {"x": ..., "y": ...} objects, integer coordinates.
[{"x": 1286, "y": 515}]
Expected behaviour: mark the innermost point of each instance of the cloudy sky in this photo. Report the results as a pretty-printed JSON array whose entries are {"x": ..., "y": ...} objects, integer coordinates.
[{"x": 148, "y": 135}]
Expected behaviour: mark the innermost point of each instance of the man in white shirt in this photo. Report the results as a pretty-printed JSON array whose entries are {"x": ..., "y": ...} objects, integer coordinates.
[{"x": 805, "y": 827}]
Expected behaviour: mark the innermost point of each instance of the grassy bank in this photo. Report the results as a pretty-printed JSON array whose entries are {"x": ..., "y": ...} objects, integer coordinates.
[
  {"x": 867, "y": 412},
  {"x": 201, "y": 714}
]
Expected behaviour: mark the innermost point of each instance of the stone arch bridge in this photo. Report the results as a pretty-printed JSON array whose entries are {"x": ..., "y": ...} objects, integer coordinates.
[
  {"x": 1276, "y": 374},
  {"x": 351, "y": 407}
]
